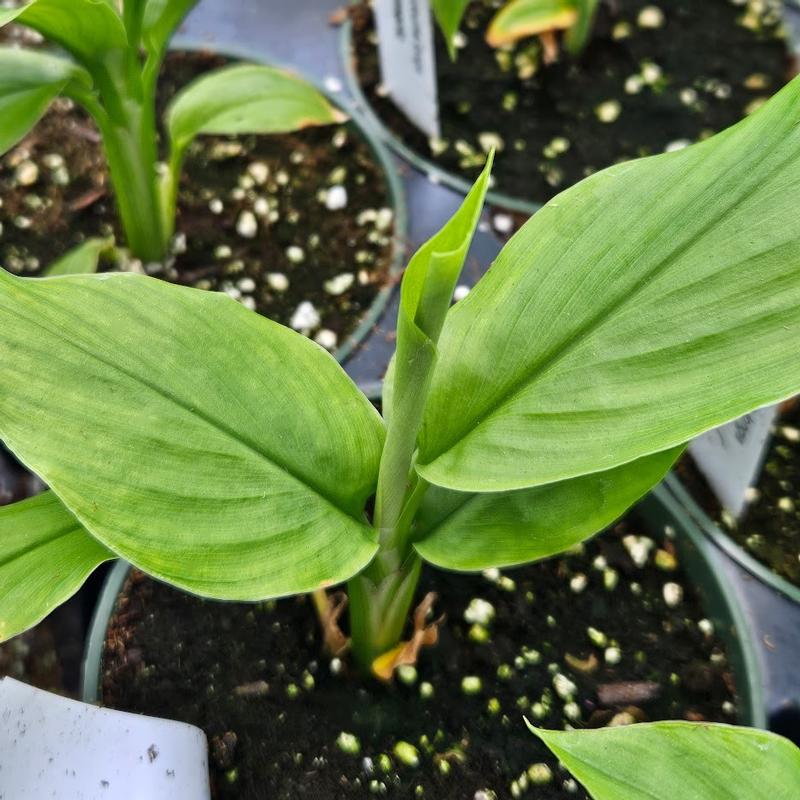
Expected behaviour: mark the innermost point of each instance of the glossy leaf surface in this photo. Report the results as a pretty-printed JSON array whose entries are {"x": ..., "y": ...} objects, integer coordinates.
[
  {"x": 29, "y": 82},
  {"x": 425, "y": 297},
  {"x": 205, "y": 444},
  {"x": 247, "y": 98},
  {"x": 45, "y": 556},
  {"x": 463, "y": 531},
  {"x": 651, "y": 302},
  {"x": 667, "y": 760}
]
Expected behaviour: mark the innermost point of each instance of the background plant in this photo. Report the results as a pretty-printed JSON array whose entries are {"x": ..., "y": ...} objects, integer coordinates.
[
  {"x": 115, "y": 57},
  {"x": 518, "y": 19}
]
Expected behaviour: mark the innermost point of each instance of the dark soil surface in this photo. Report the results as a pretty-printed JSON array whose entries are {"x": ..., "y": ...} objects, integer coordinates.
[
  {"x": 635, "y": 90},
  {"x": 281, "y": 223},
  {"x": 770, "y": 527},
  {"x": 551, "y": 641}
]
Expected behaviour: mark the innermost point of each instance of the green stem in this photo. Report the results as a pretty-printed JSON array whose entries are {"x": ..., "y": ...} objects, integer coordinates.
[
  {"x": 169, "y": 184},
  {"x": 381, "y": 597},
  {"x": 132, "y": 162},
  {"x": 124, "y": 109},
  {"x": 133, "y": 17},
  {"x": 379, "y": 608}
]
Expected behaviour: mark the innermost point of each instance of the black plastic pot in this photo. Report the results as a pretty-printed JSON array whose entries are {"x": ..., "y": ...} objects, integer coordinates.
[
  {"x": 452, "y": 179},
  {"x": 306, "y": 41},
  {"x": 659, "y": 511},
  {"x": 721, "y": 539},
  {"x": 369, "y": 321}
]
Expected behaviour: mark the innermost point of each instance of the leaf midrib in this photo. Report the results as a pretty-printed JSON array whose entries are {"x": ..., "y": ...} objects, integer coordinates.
[
  {"x": 596, "y": 322},
  {"x": 209, "y": 420},
  {"x": 66, "y": 530}
]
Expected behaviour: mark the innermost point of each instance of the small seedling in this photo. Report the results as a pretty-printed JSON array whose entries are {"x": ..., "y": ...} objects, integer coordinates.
[{"x": 519, "y": 19}]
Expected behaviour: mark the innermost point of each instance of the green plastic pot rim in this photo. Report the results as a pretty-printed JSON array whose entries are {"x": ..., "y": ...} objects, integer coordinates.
[
  {"x": 96, "y": 637},
  {"x": 425, "y": 165},
  {"x": 658, "y": 505},
  {"x": 394, "y": 185},
  {"x": 725, "y": 543}
]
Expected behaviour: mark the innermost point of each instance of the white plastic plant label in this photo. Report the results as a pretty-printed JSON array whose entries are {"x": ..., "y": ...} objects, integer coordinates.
[
  {"x": 408, "y": 59},
  {"x": 730, "y": 457},
  {"x": 59, "y": 749}
]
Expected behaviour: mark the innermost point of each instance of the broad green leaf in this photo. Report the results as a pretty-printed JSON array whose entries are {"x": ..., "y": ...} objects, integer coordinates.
[
  {"x": 86, "y": 28},
  {"x": 45, "y": 556},
  {"x": 651, "y": 302},
  {"x": 246, "y": 98},
  {"x": 161, "y": 19},
  {"x": 205, "y": 444},
  {"x": 29, "y": 82},
  {"x": 462, "y": 531},
  {"x": 425, "y": 297},
  {"x": 81, "y": 260},
  {"x": 449, "y": 14},
  {"x": 669, "y": 760},
  {"x": 579, "y": 33},
  {"x": 521, "y": 18}
]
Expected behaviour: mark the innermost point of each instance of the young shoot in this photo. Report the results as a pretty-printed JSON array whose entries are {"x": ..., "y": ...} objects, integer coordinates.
[
  {"x": 519, "y": 19},
  {"x": 114, "y": 54},
  {"x": 232, "y": 457}
]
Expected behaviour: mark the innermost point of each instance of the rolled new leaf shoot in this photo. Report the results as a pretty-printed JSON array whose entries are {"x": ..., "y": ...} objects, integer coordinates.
[{"x": 376, "y": 616}]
